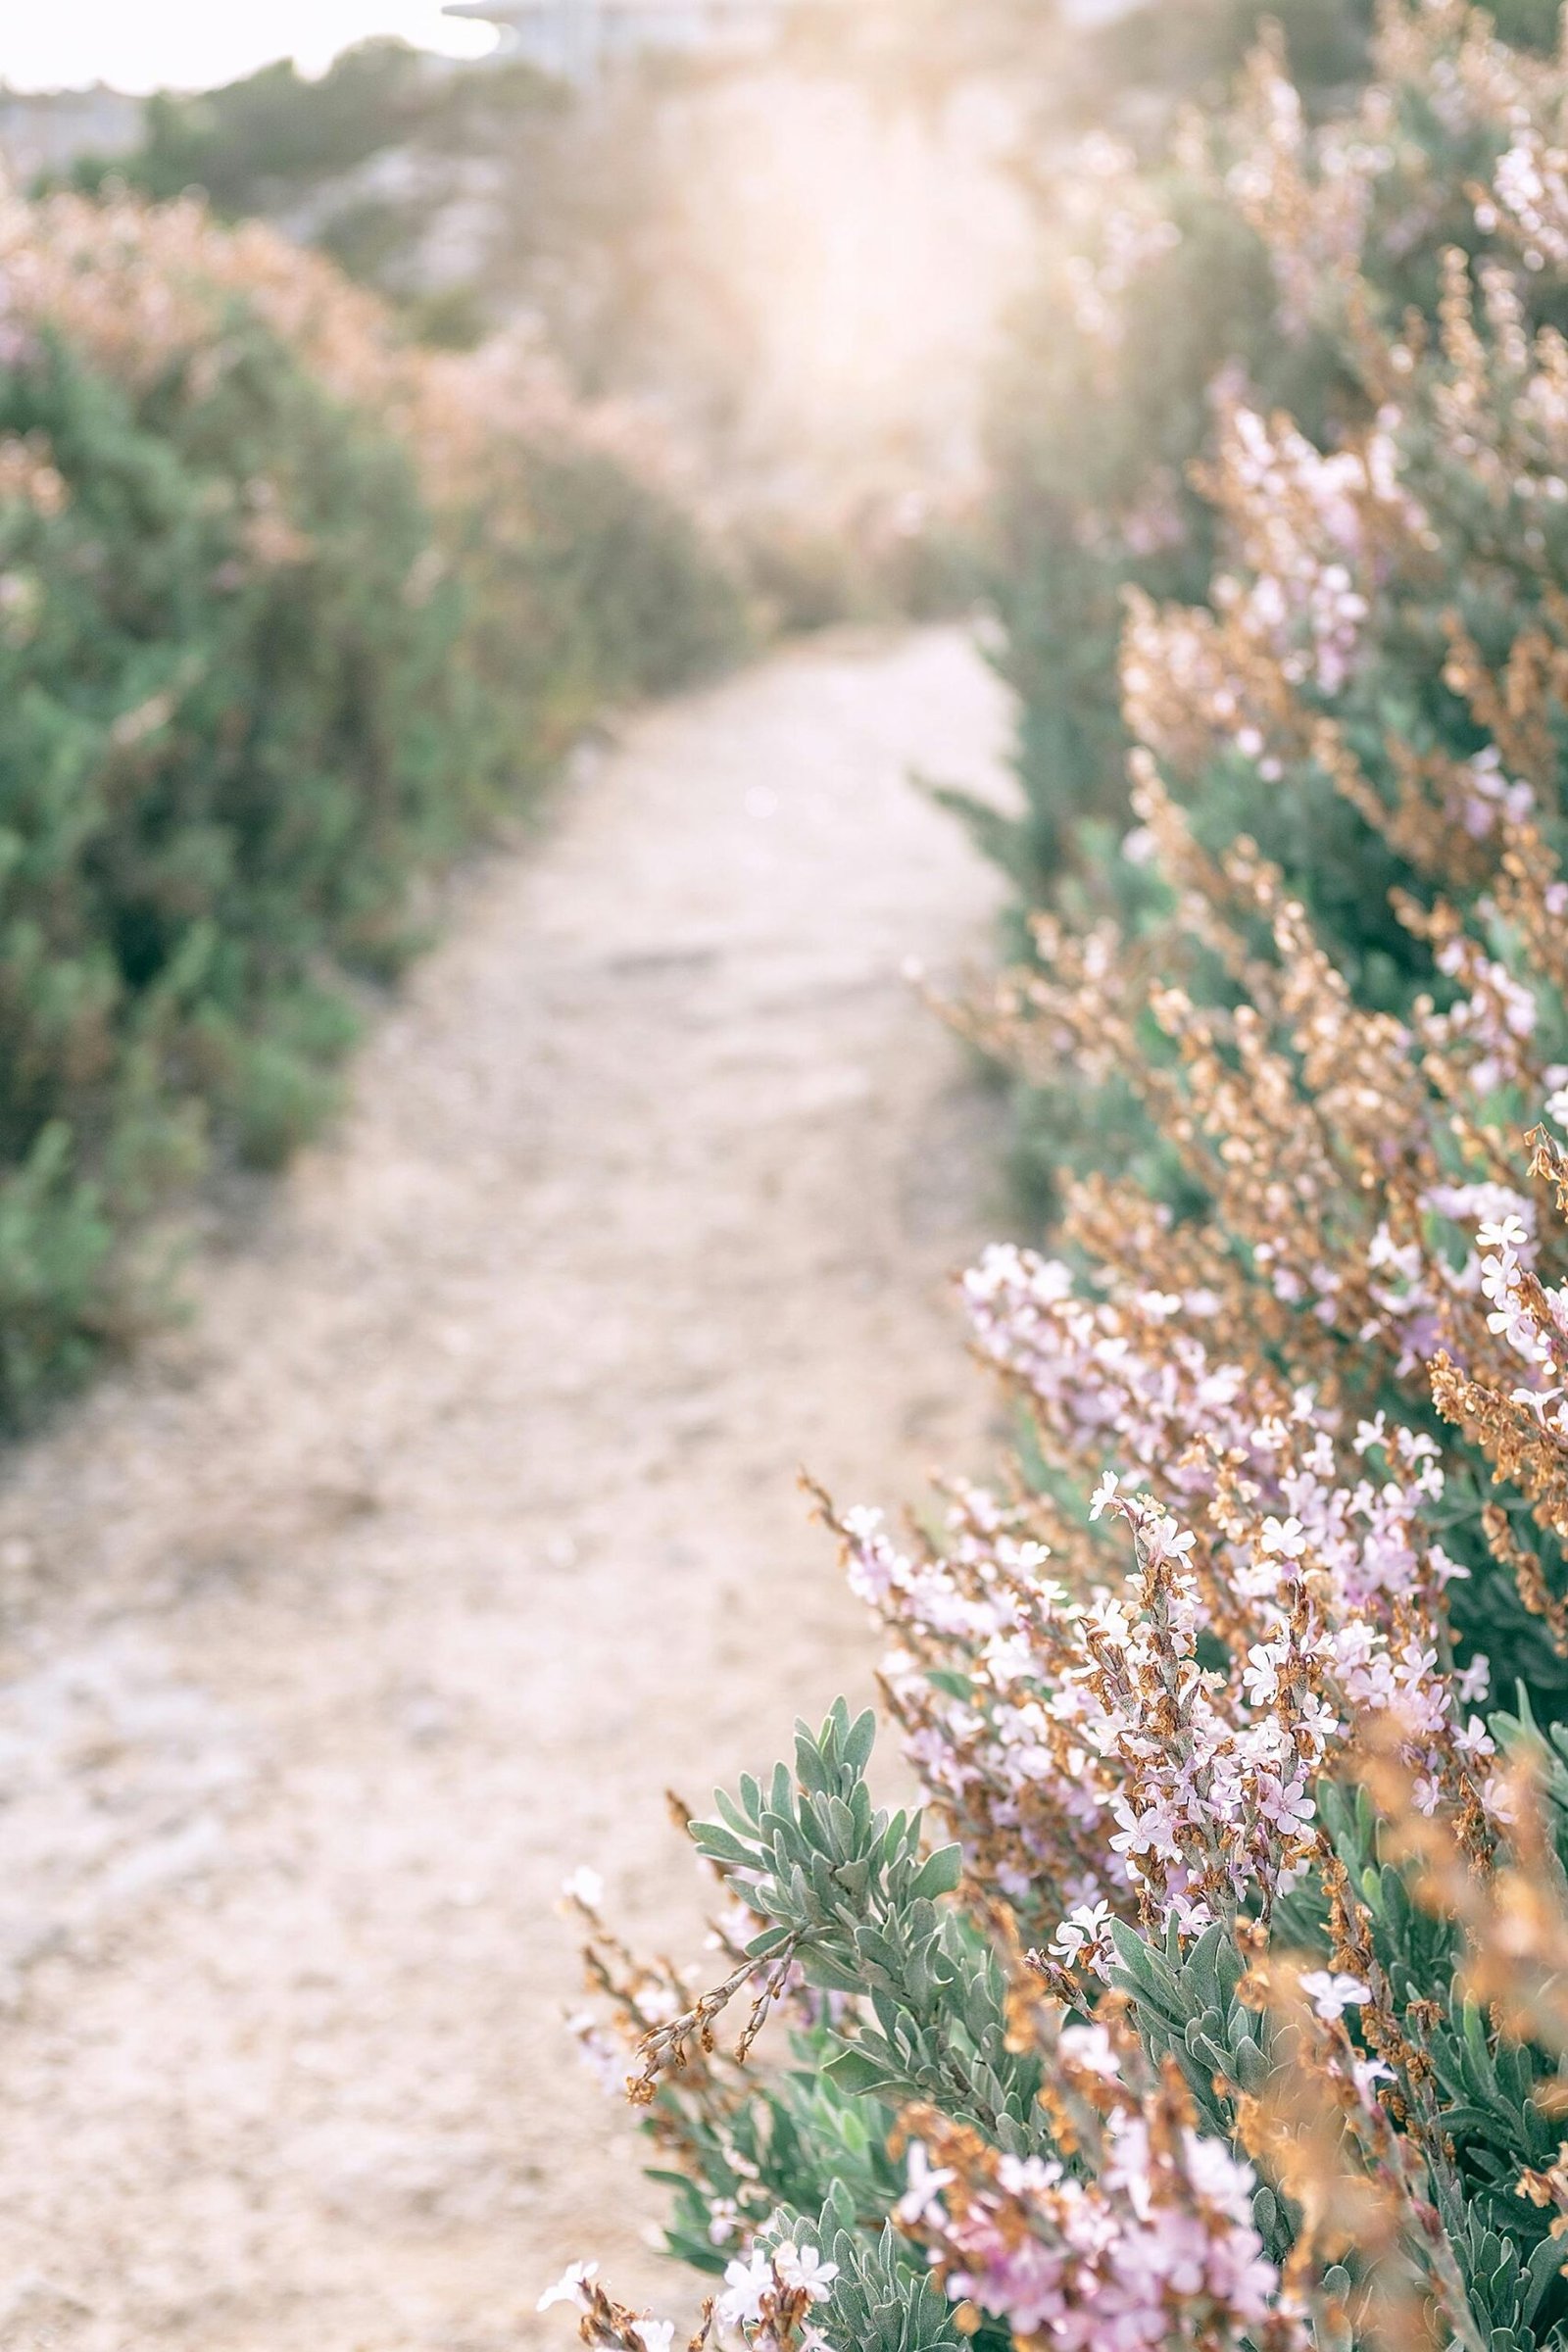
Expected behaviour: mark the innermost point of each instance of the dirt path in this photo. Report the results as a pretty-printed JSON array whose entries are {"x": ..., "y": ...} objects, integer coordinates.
[{"x": 462, "y": 1520}]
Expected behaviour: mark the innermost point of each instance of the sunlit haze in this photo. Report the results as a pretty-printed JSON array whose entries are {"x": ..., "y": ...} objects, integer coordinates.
[{"x": 197, "y": 44}]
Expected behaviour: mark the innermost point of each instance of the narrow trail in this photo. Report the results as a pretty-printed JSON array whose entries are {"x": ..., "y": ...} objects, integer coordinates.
[{"x": 461, "y": 1520}]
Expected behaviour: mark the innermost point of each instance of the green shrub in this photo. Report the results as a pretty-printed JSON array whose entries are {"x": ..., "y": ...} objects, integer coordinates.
[
  {"x": 260, "y": 665},
  {"x": 625, "y": 594},
  {"x": 226, "y": 733}
]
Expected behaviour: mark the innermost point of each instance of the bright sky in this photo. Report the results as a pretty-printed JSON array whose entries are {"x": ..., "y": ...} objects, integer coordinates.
[{"x": 195, "y": 44}]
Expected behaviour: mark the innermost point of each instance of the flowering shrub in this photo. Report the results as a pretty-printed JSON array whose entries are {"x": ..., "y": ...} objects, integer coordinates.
[
  {"x": 286, "y": 613},
  {"x": 1172, "y": 261},
  {"x": 1325, "y": 270},
  {"x": 1231, "y": 2011}
]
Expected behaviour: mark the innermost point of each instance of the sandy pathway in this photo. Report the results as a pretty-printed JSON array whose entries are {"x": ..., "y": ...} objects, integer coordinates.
[{"x": 461, "y": 1521}]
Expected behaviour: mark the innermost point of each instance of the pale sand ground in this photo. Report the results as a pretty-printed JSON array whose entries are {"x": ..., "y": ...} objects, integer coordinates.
[{"x": 462, "y": 1519}]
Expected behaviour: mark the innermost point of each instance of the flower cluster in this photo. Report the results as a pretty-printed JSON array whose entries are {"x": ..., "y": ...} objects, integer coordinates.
[
  {"x": 1091, "y": 1763},
  {"x": 1155, "y": 2248},
  {"x": 767, "y": 2304},
  {"x": 1115, "y": 230}
]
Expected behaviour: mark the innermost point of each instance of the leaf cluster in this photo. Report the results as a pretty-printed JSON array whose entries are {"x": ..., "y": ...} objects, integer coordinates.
[
  {"x": 255, "y": 687},
  {"x": 851, "y": 1898},
  {"x": 882, "y": 2300}
]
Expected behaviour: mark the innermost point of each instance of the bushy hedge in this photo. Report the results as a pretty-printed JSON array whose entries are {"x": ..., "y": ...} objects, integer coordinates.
[
  {"x": 1231, "y": 2011},
  {"x": 264, "y": 659}
]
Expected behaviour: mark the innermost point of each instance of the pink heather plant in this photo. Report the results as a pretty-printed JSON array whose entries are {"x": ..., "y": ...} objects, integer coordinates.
[{"x": 1232, "y": 2013}]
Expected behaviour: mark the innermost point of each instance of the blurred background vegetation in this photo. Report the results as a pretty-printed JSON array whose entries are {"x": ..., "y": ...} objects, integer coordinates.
[{"x": 740, "y": 345}]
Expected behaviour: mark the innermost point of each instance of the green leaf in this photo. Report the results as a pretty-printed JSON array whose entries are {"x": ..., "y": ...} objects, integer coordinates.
[
  {"x": 853, "y": 2071},
  {"x": 940, "y": 1873},
  {"x": 860, "y": 1741}
]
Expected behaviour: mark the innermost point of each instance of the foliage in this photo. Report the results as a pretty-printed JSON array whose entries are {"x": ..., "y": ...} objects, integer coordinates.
[
  {"x": 282, "y": 625},
  {"x": 1242, "y": 1700},
  {"x": 1196, "y": 47},
  {"x": 240, "y": 142},
  {"x": 1264, "y": 267},
  {"x": 363, "y": 159}
]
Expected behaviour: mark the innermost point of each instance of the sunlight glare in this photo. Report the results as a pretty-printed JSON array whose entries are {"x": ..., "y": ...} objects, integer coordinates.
[{"x": 870, "y": 254}]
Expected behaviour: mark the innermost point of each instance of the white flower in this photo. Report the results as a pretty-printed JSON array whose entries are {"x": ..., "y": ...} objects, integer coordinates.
[
  {"x": 570, "y": 2287},
  {"x": 1475, "y": 1742},
  {"x": 1474, "y": 1679},
  {"x": 1082, "y": 1934},
  {"x": 724, "y": 2221},
  {"x": 745, "y": 2285},
  {"x": 584, "y": 1886},
  {"x": 1103, "y": 1494},
  {"x": 1368, "y": 2070},
  {"x": 1089, "y": 2048},
  {"x": 1330, "y": 1994},
  {"x": 1027, "y": 2176},
  {"x": 654, "y": 2335},
  {"x": 923, "y": 2197},
  {"x": 802, "y": 2269},
  {"x": 604, "y": 2059},
  {"x": 1261, "y": 1674}
]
